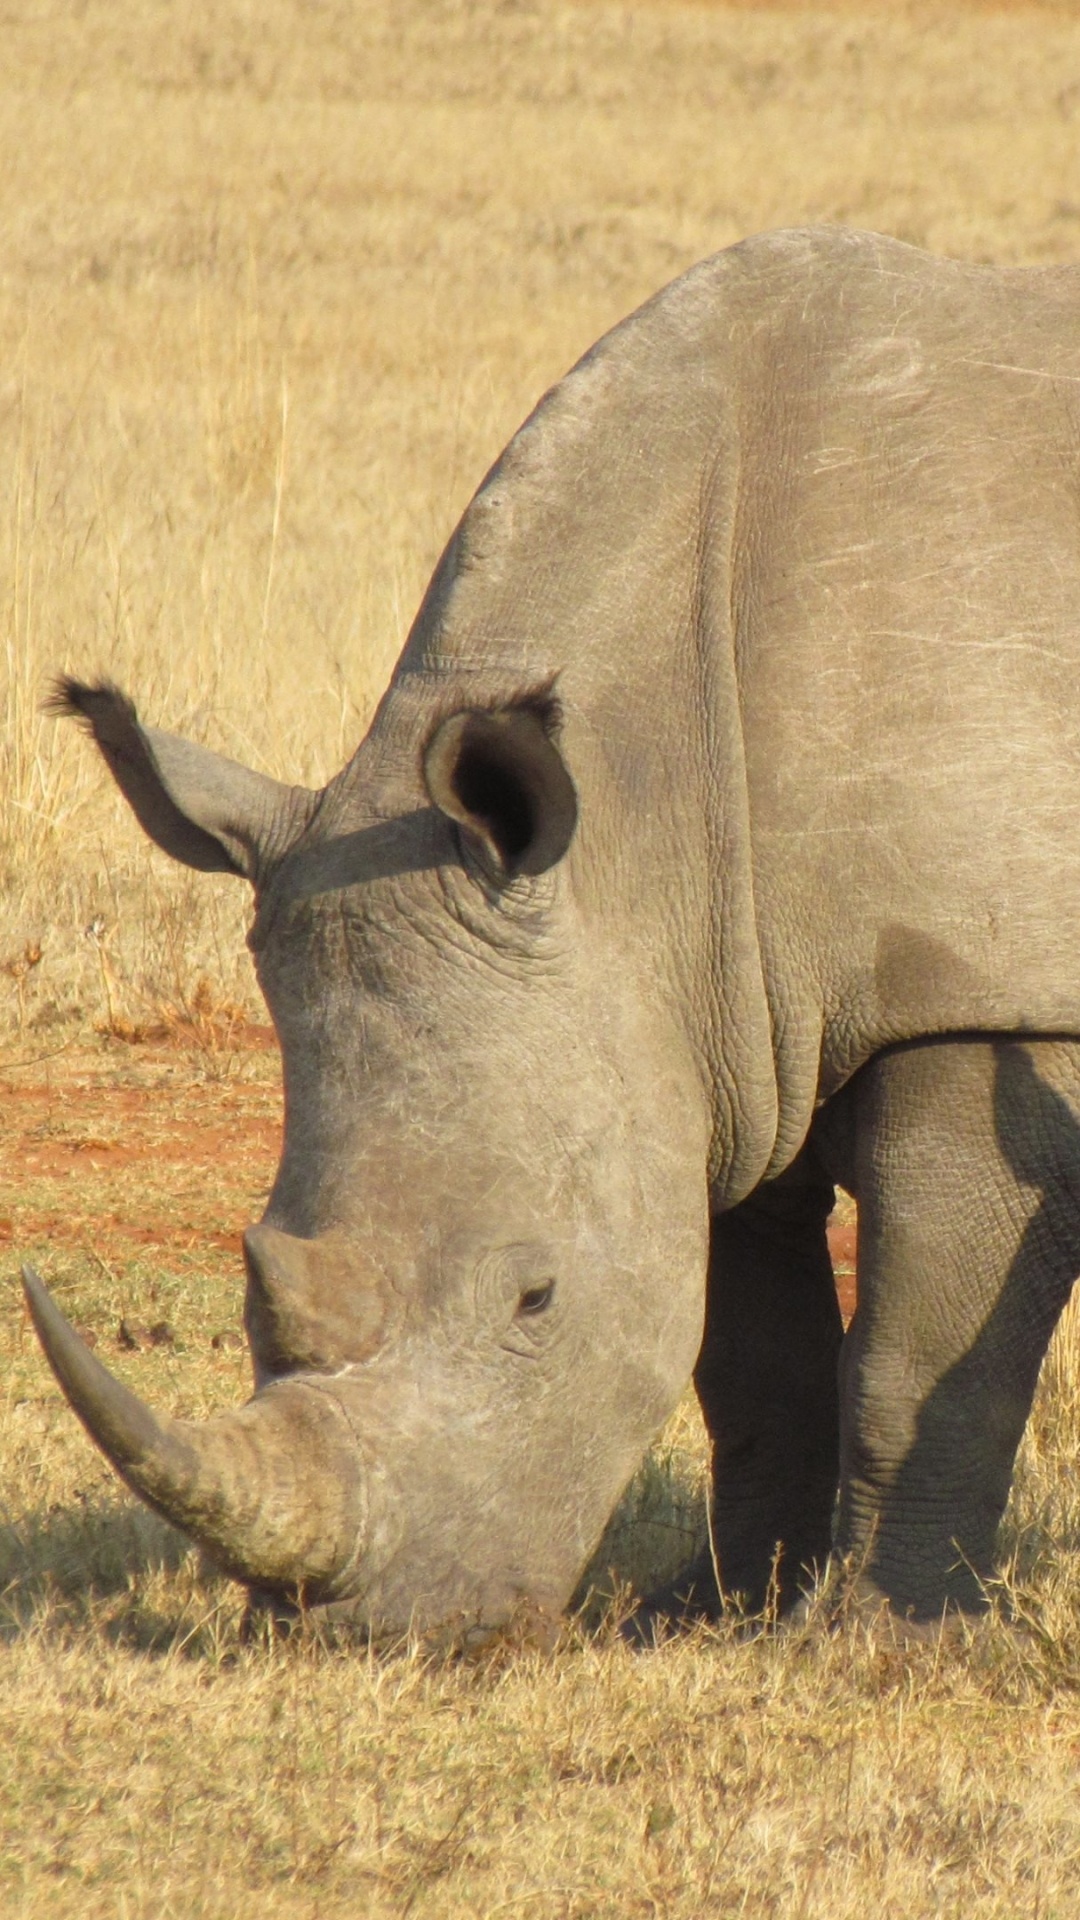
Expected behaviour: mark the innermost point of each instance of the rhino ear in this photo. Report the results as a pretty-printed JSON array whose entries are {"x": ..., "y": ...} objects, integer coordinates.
[
  {"x": 500, "y": 776},
  {"x": 204, "y": 810}
]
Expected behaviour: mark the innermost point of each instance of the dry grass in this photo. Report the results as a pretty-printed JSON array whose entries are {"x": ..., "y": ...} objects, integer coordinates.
[
  {"x": 153, "y": 1764},
  {"x": 275, "y": 285},
  {"x": 712, "y": 1777}
]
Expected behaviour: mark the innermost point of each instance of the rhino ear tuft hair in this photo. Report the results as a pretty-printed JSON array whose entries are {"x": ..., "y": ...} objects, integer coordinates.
[
  {"x": 202, "y": 809},
  {"x": 500, "y": 777}
]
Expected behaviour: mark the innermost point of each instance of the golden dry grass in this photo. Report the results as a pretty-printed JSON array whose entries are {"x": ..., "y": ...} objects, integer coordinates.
[
  {"x": 275, "y": 286},
  {"x": 153, "y": 1764}
]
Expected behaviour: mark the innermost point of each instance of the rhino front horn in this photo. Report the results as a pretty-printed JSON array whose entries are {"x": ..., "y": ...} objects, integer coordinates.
[{"x": 273, "y": 1490}]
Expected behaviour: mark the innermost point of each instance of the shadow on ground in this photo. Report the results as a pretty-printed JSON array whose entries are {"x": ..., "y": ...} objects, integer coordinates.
[{"x": 105, "y": 1562}]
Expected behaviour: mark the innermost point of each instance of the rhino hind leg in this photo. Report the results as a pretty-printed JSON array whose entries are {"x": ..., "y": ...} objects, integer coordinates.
[
  {"x": 967, "y": 1174},
  {"x": 766, "y": 1378}
]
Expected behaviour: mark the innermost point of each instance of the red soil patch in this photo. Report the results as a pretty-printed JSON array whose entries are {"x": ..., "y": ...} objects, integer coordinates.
[
  {"x": 118, "y": 1148},
  {"x": 843, "y": 1233}
]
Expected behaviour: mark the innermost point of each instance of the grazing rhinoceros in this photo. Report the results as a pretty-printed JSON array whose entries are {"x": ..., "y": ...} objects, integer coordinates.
[{"x": 717, "y": 839}]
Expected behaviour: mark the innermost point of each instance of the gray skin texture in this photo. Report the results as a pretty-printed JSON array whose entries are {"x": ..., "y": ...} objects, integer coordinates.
[{"x": 717, "y": 839}]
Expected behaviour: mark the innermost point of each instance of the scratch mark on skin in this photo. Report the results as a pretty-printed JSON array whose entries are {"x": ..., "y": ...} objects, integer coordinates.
[{"x": 1032, "y": 373}]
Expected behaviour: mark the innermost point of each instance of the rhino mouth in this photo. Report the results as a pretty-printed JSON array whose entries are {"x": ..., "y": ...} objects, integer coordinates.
[{"x": 273, "y": 1490}]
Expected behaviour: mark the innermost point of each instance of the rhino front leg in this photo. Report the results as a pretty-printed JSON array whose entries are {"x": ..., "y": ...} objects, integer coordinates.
[
  {"x": 967, "y": 1174},
  {"x": 767, "y": 1381}
]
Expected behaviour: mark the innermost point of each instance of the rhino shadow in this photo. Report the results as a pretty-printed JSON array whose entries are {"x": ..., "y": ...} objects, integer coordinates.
[
  {"x": 406, "y": 843},
  {"x": 65, "y": 1561},
  {"x": 658, "y": 1528}
]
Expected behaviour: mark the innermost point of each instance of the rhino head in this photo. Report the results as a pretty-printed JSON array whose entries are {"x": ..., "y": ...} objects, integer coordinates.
[{"x": 477, "y": 1288}]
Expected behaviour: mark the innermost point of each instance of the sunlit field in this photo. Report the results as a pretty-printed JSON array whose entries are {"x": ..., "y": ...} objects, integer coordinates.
[{"x": 276, "y": 284}]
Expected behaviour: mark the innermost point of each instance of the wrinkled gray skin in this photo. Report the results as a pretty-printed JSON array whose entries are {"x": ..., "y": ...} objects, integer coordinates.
[{"x": 585, "y": 1002}]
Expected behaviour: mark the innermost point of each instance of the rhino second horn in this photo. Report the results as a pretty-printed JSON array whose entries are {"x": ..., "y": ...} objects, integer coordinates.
[{"x": 274, "y": 1490}]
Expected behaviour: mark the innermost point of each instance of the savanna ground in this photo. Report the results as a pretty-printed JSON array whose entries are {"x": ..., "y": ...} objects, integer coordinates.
[{"x": 275, "y": 285}]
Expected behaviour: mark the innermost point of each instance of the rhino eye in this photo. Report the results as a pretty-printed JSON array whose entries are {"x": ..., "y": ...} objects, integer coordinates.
[{"x": 535, "y": 1299}]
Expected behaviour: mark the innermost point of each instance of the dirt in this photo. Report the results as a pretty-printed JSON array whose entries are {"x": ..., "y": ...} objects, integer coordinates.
[
  {"x": 842, "y": 1237},
  {"x": 125, "y": 1149}
]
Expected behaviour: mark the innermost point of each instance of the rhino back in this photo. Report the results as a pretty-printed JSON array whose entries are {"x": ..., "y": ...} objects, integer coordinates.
[
  {"x": 799, "y": 543},
  {"x": 907, "y": 580}
]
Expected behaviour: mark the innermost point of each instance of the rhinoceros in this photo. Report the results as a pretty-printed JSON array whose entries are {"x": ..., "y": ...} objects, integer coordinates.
[{"x": 717, "y": 841}]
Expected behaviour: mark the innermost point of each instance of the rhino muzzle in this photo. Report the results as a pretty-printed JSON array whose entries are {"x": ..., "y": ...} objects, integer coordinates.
[{"x": 274, "y": 1490}]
